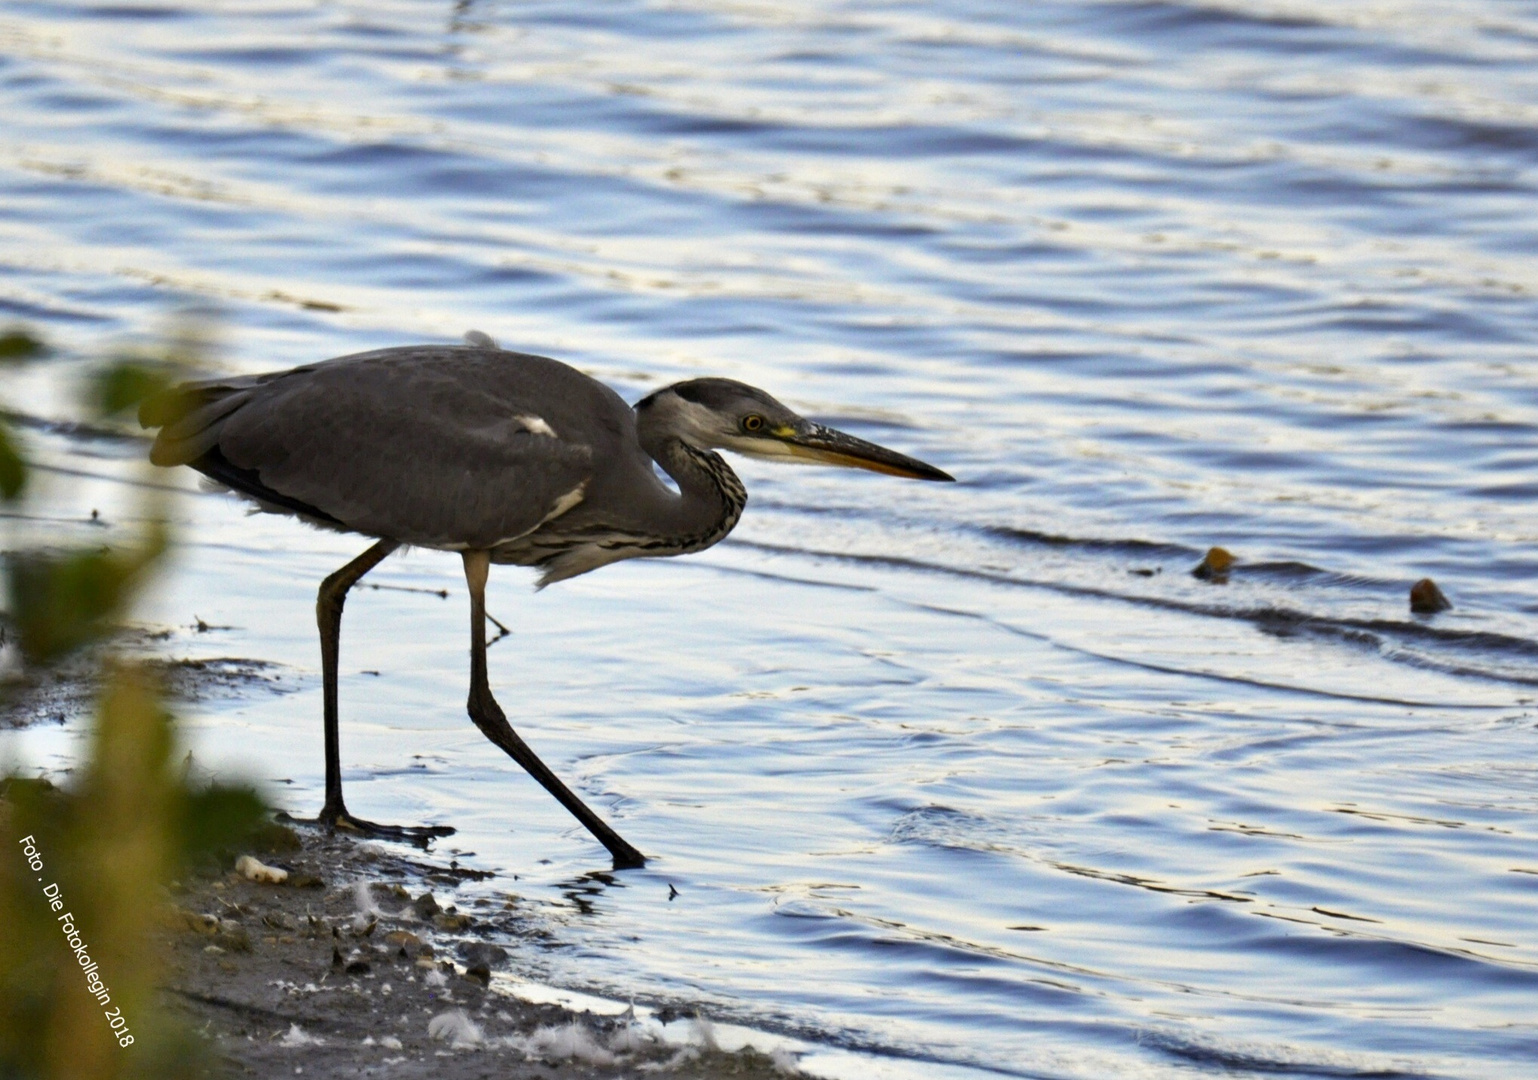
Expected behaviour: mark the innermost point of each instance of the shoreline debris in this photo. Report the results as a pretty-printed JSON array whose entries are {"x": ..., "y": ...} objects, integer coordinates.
[
  {"x": 253, "y": 869},
  {"x": 1427, "y": 599},
  {"x": 1215, "y": 566}
]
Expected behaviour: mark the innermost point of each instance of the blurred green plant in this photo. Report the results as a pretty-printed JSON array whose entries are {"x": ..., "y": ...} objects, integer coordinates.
[
  {"x": 95, "y": 856},
  {"x": 16, "y": 346}
]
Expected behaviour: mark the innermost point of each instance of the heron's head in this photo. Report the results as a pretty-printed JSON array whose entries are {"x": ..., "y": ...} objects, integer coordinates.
[{"x": 722, "y": 414}]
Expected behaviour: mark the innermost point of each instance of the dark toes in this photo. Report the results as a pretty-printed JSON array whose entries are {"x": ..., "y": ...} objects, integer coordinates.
[{"x": 418, "y": 835}]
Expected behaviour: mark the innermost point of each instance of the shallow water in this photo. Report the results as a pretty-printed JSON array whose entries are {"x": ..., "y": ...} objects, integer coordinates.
[{"x": 971, "y": 775}]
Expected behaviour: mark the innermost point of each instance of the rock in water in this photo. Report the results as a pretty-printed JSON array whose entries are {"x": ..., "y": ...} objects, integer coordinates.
[
  {"x": 1427, "y": 599},
  {"x": 1214, "y": 565}
]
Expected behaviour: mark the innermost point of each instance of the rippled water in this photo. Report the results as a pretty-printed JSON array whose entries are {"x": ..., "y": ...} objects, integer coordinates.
[{"x": 976, "y": 775}]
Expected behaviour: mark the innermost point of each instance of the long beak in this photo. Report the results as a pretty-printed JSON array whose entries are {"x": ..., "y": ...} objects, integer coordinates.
[{"x": 813, "y": 442}]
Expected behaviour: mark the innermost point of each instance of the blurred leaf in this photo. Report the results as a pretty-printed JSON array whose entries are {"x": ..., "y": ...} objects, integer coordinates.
[
  {"x": 36, "y": 803},
  {"x": 13, "y": 469},
  {"x": 122, "y": 846},
  {"x": 126, "y": 822},
  {"x": 127, "y": 381},
  {"x": 61, "y": 602},
  {"x": 17, "y": 345},
  {"x": 221, "y": 817},
  {"x": 106, "y": 844}
]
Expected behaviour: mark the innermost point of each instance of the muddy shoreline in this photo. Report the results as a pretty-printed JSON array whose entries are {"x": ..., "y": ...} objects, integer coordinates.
[
  {"x": 362, "y": 963},
  {"x": 365, "y": 959}
]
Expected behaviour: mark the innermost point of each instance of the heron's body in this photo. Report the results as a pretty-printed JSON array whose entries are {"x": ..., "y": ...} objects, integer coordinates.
[
  {"x": 459, "y": 448},
  {"x": 501, "y": 456}
]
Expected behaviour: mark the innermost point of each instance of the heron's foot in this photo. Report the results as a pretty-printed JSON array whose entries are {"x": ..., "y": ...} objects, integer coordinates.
[
  {"x": 337, "y": 818},
  {"x": 628, "y": 858}
]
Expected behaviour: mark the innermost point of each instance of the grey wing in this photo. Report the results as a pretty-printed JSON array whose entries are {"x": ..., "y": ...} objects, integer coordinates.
[{"x": 440, "y": 447}]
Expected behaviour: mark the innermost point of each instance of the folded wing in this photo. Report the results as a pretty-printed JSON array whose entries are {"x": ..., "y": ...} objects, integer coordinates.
[{"x": 449, "y": 447}]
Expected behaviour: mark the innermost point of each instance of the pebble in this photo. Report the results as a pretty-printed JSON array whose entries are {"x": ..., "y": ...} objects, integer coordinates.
[
  {"x": 253, "y": 869},
  {"x": 1215, "y": 565},
  {"x": 1427, "y": 599},
  {"x": 234, "y": 938},
  {"x": 482, "y": 953},
  {"x": 197, "y": 923},
  {"x": 408, "y": 944}
]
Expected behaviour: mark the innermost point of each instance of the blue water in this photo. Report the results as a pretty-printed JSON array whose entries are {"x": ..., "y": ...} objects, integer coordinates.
[{"x": 977, "y": 774}]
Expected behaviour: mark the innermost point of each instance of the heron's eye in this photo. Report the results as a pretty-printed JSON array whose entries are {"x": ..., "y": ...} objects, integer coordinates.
[{"x": 752, "y": 423}]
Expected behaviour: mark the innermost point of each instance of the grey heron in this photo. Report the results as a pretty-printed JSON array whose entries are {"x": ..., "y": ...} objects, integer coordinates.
[{"x": 504, "y": 457}]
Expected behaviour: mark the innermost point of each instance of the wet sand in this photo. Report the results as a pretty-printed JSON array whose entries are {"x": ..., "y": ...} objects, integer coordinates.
[{"x": 361, "y": 964}]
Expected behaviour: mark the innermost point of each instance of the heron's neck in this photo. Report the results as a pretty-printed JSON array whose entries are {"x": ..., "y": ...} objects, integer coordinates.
[{"x": 710, "y": 499}]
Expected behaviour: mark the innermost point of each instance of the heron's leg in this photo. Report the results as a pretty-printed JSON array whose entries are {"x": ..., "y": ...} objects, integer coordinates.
[
  {"x": 488, "y": 716},
  {"x": 328, "y": 615}
]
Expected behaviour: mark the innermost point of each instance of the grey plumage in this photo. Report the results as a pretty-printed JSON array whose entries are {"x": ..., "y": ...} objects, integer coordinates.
[{"x": 502, "y": 456}]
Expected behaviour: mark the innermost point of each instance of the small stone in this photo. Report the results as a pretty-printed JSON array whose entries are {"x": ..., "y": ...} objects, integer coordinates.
[
  {"x": 278, "y": 920},
  {"x": 198, "y": 924},
  {"x": 233, "y": 938},
  {"x": 1215, "y": 565},
  {"x": 480, "y": 973},
  {"x": 253, "y": 869},
  {"x": 305, "y": 881},
  {"x": 425, "y": 906},
  {"x": 1427, "y": 599},
  {"x": 452, "y": 923},
  {"x": 407, "y": 945},
  {"x": 482, "y": 953},
  {"x": 358, "y": 967}
]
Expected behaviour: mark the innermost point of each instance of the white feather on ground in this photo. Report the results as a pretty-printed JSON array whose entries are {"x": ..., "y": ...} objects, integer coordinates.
[
  {"x": 572, "y": 1040},
  {"x": 297, "y": 1036},
  {"x": 456, "y": 1029},
  {"x": 705, "y": 1032},
  {"x": 784, "y": 1062},
  {"x": 363, "y": 900},
  {"x": 627, "y": 1039}
]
